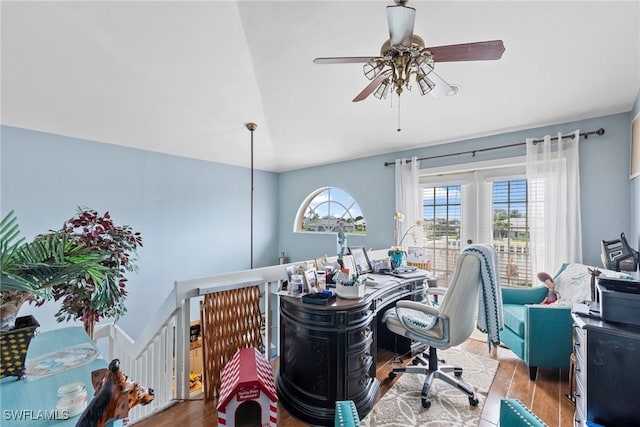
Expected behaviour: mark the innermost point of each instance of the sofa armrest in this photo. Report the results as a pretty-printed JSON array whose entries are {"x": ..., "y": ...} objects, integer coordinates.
[
  {"x": 513, "y": 413},
  {"x": 523, "y": 296},
  {"x": 346, "y": 414},
  {"x": 548, "y": 335}
]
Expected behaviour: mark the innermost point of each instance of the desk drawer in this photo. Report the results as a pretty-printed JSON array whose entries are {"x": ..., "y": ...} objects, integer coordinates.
[
  {"x": 358, "y": 382},
  {"x": 358, "y": 337},
  {"x": 580, "y": 344},
  {"x": 411, "y": 290},
  {"x": 580, "y": 372},
  {"x": 360, "y": 360},
  {"x": 307, "y": 316},
  {"x": 581, "y": 405}
]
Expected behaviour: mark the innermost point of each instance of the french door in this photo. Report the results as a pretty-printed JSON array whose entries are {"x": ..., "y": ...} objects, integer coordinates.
[{"x": 480, "y": 206}]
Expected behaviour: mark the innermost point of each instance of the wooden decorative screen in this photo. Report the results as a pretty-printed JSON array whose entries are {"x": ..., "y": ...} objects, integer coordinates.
[{"x": 230, "y": 320}]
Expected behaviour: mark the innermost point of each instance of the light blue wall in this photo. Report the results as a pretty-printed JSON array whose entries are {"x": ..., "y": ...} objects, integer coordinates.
[
  {"x": 194, "y": 216},
  {"x": 634, "y": 237},
  {"x": 604, "y": 166}
]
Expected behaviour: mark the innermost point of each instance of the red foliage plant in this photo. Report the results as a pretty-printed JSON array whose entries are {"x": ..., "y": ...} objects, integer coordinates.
[{"x": 84, "y": 299}]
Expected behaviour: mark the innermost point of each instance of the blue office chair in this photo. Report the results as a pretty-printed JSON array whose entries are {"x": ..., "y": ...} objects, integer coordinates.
[{"x": 448, "y": 325}]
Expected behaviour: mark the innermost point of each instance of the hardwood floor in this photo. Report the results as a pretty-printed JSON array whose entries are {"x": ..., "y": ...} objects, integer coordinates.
[{"x": 544, "y": 396}]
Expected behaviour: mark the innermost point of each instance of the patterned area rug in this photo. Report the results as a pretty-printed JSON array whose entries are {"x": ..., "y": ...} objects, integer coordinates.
[
  {"x": 401, "y": 405},
  {"x": 478, "y": 336}
]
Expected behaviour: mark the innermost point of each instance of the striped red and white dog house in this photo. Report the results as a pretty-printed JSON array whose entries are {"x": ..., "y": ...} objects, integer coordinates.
[{"x": 247, "y": 391}]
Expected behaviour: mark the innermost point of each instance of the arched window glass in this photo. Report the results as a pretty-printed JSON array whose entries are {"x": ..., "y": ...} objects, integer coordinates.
[{"x": 326, "y": 208}]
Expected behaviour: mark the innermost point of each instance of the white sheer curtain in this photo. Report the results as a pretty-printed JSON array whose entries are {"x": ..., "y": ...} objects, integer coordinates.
[
  {"x": 408, "y": 202},
  {"x": 553, "y": 179}
]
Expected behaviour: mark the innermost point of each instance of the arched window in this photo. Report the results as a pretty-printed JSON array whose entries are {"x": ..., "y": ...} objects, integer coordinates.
[{"x": 326, "y": 208}]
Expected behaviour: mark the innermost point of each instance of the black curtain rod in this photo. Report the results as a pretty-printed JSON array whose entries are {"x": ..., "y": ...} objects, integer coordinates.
[{"x": 473, "y": 152}]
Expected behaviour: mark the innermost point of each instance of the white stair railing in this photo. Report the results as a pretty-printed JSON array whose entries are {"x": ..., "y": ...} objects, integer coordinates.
[{"x": 159, "y": 357}]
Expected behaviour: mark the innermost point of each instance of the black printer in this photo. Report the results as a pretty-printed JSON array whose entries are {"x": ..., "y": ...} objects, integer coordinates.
[{"x": 619, "y": 300}]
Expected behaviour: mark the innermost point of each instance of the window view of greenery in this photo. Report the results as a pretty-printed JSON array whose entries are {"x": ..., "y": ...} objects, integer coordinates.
[
  {"x": 442, "y": 225},
  {"x": 329, "y": 208}
]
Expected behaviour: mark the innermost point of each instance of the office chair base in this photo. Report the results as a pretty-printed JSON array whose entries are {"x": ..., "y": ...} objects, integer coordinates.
[{"x": 433, "y": 371}]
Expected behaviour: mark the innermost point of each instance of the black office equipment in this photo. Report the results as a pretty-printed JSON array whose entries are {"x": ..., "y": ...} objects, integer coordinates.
[
  {"x": 619, "y": 300},
  {"x": 618, "y": 255}
]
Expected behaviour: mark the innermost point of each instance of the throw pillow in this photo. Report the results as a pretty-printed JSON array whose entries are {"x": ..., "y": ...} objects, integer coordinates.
[{"x": 574, "y": 282}]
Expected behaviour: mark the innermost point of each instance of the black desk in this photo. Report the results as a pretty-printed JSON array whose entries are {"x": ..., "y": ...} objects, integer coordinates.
[
  {"x": 328, "y": 353},
  {"x": 606, "y": 372}
]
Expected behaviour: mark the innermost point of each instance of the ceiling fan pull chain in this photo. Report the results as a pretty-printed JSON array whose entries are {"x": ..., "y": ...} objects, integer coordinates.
[{"x": 399, "y": 128}]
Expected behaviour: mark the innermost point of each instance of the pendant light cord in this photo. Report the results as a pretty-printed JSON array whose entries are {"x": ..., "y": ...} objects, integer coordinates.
[{"x": 252, "y": 127}]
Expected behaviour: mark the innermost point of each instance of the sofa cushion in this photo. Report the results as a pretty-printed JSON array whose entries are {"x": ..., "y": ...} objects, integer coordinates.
[{"x": 513, "y": 315}]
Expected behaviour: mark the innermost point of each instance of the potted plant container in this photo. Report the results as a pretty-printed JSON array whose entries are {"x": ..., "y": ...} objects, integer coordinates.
[{"x": 13, "y": 347}]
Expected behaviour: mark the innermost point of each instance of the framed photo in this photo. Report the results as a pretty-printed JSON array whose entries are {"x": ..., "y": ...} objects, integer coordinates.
[
  {"x": 310, "y": 280},
  {"x": 361, "y": 259},
  {"x": 380, "y": 266},
  {"x": 635, "y": 148},
  {"x": 322, "y": 263},
  {"x": 349, "y": 263}
]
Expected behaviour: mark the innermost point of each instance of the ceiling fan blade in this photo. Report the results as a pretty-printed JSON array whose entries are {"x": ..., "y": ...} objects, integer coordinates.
[
  {"x": 441, "y": 88},
  {"x": 401, "y": 20},
  {"x": 372, "y": 86},
  {"x": 478, "y": 51},
  {"x": 344, "y": 60}
]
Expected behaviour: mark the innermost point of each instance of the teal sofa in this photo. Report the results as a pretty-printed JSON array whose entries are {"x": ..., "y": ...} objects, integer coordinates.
[{"x": 540, "y": 335}]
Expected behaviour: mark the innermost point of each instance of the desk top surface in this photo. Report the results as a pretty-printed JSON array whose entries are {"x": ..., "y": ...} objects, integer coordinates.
[
  {"x": 374, "y": 289},
  {"x": 54, "y": 358}
]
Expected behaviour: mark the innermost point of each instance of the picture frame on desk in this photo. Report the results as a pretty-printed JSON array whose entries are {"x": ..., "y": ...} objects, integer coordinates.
[
  {"x": 360, "y": 258},
  {"x": 349, "y": 263},
  {"x": 379, "y": 266},
  {"x": 322, "y": 263},
  {"x": 310, "y": 280}
]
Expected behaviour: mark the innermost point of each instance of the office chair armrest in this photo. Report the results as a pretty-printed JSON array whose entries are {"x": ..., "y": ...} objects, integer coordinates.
[
  {"x": 419, "y": 306},
  {"x": 436, "y": 291},
  {"x": 419, "y": 328}
]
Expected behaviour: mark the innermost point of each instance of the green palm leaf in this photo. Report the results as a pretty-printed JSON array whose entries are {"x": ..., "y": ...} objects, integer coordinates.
[{"x": 49, "y": 260}]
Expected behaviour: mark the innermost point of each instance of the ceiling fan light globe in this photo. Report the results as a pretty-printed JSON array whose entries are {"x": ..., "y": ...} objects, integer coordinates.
[
  {"x": 454, "y": 90},
  {"x": 382, "y": 90},
  {"x": 372, "y": 69},
  {"x": 445, "y": 90},
  {"x": 424, "y": 84},
  {"x": 425, "y": 67}
]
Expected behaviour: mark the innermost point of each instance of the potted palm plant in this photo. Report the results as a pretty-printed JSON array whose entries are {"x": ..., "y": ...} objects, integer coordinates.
[{"x": 30, "y": 271}]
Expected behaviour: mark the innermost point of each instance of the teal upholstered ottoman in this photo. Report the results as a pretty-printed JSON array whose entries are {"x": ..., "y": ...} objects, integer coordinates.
[{"x": 346, "y": 414}]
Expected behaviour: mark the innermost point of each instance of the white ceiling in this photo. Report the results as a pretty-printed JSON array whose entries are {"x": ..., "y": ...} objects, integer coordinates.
[{"x": 184, "y": 77}]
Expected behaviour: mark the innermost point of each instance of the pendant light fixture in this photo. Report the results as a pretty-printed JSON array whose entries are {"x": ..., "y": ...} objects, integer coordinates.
[{"x": 252, "y": 127}]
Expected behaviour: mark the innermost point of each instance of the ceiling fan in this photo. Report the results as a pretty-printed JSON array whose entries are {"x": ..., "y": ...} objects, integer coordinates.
[{"x": 404, "y": 56}]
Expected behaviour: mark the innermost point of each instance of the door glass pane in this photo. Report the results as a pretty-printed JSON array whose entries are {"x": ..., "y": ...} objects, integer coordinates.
[
  {"x": 511, "y": 231},
  {"x": 441, "y": 214}
]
